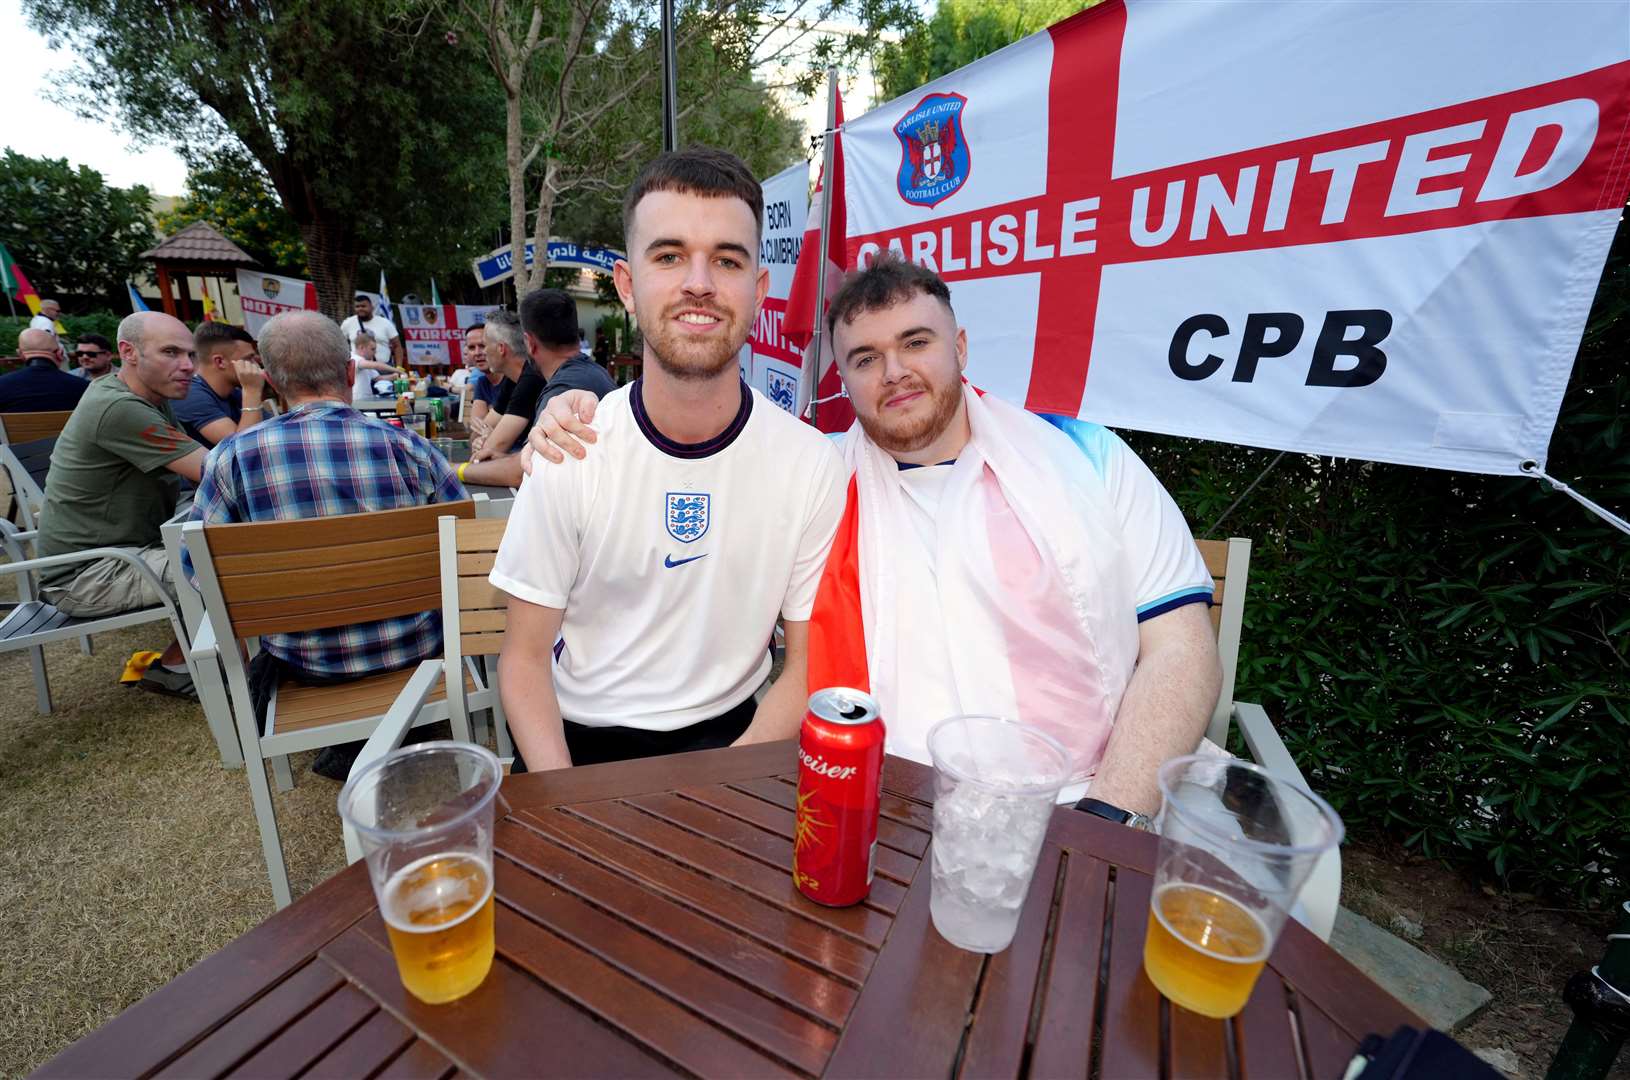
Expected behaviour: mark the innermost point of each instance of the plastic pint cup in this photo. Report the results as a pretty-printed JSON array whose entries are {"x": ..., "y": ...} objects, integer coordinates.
[
  {"x": 424, "y": 816},
  {"x": 1237, "y": 843}
]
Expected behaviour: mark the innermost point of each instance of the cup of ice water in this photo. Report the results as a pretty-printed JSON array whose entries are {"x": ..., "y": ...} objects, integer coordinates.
[
  {"x": 995, "y": 782},
  {"x": 424, "y": 816}
]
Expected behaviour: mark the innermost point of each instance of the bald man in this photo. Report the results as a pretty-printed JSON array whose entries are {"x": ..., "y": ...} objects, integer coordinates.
[
  {"x": 40, "y": 386},
  {"x": 116, "y": 476}
]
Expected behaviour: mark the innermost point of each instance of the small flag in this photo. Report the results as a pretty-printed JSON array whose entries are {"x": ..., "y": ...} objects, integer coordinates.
[
  {"x": 385, "y": 298},
  {"x": 25, "y": 292},
  {"x": 801, "y": 318},
  {"x": 209, "y": 306},
  {"x": 7, "y": 281},
  {"x": 435, "y": 297},
  {"x": 136, "y": 301}
]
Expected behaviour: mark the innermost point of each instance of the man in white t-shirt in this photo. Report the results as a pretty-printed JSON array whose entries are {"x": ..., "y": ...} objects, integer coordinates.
[
  {"x": 387, "y": 341},
  {"x": 646, "y": 581},
  {"x": 50, "y": 312}
]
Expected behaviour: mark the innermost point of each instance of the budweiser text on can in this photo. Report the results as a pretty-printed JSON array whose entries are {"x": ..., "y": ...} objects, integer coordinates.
[{"x": 840, "y": 778}]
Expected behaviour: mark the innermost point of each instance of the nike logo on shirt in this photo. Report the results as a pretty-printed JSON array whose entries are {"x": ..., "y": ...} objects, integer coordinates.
[{"x": 670, "y": 562}]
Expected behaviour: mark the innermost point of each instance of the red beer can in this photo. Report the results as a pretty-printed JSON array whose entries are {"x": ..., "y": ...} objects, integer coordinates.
[{"x": 840, "y": 779}]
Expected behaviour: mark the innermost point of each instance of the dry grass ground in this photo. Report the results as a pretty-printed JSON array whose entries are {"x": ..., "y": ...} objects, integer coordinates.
[{"x": 129, "y": 852}]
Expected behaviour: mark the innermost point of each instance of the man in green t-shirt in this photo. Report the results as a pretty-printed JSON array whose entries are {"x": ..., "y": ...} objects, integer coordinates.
[{"x": 115, "y": 475}]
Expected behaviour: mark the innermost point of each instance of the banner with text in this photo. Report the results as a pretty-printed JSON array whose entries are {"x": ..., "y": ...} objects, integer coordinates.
[
  {"x": 769, "y": 361},
  {"x": 433, "y": 334},
  {"x": 499, "y": 264},
  {"x": 265, "y": 295},
  {"x": 1212, "y": 220}
]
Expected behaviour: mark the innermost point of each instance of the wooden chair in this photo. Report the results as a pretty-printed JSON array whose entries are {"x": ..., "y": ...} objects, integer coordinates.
[
  {"x": 1229, "y": 562},
  {"x": 20, "y": 427},
  {"x": 290, "y": 576},
  {"x": 472, "y": 617}
]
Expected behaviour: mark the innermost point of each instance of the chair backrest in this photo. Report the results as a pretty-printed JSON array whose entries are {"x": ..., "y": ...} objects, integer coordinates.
[
  {"x": 473, "y": 609},
  {"x": 1229, "y": 563},
  {"x": 25, "y": 465},
  {"x": 280, "y": 577},
  {"x": 19, "y": 427}
]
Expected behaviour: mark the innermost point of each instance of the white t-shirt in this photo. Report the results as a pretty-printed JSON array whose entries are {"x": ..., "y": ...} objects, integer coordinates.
[
  {"x": 363, "y": 385},
  {"x": 1168, "y": 569},
  {"x": 456, "y": 381},
  {"x": 672, "y": 563},
  {"x": 383, "y": 330}
]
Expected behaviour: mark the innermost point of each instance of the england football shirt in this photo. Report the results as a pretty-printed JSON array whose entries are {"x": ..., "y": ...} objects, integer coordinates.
[{"x": 672, "y": 561}]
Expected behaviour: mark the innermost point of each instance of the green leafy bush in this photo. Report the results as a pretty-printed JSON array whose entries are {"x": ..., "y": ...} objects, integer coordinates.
[{"x": 1448, "y": 655}]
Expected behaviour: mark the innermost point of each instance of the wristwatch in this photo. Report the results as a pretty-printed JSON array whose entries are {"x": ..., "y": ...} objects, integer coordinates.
[{"x": 1110, "y": 812}]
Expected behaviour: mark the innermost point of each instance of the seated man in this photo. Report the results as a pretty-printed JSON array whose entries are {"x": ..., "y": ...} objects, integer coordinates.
[
  {"x": 39, "y": 386},
  {"x": 115, "y": 478},
  {"x": 321, "y": 458},
  {"x": 1004, "y": 563},
  {"x": 661, "y": 563},
  {"x": 485, "y": 392},
  {"x": 549, "y": 325},
  {"x": 226, "y": 391},
  {"x": 94, "y": 354}
]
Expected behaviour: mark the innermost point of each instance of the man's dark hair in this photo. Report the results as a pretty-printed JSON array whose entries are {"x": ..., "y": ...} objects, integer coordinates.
[
  {"x": 696, "y": 170},
  {"x": 95, "y": 339},
  {"x": 550, "y": 315},
  {"x": 889, "y": 280},
  {"x": 362, "y": 296},
  {"x": 217, "y": 333}
]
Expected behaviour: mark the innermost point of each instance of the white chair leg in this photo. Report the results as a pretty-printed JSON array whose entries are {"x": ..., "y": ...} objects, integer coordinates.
[
  {"x": 206, "y": 676},
  {"x": 260, "y": 794},
  {"x": 281, "y": 773},
  {"x": 42, "y": 684},
  {"x": 85, "y": 645},
  {"x": 479, "y": 723}
]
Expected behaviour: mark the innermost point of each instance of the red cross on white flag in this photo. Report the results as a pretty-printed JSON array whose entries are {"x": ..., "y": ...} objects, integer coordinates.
[{"x": 1369, "y": 228}]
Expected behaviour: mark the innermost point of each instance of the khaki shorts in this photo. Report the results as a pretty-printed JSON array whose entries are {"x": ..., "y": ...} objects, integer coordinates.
[{"x": 109, "y": 586}]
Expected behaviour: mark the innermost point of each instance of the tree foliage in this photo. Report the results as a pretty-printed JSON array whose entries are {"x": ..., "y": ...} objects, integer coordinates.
[
  {"x": 363, "y": 131},
  {"x": 960, "y": 32},
  {"x": 229, "y": 190},
  {"x": 76, "y": 237}
]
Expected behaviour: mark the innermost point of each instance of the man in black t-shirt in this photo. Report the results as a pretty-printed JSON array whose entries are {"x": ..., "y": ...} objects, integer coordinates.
[{"x": 494, "y": 462}]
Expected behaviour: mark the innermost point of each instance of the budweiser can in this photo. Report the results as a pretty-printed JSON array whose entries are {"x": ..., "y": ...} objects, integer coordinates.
[{"x": 840, "y": 779}]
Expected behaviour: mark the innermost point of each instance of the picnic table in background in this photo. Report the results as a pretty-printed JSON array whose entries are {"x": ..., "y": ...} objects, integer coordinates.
[{"x": 647, "y": 924}]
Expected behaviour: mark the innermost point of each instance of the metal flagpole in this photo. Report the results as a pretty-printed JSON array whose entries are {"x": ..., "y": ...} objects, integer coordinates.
[
  {"x": 670, "y": 80},
  {"x": 809, "y": 378}
]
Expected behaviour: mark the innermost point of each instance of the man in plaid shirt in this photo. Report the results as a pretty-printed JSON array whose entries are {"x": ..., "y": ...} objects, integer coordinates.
[{"x": 322, "y": 458}]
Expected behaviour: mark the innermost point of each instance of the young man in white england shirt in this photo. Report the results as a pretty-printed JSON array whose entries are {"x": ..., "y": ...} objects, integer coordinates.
[{"x": 646, "y": 581}]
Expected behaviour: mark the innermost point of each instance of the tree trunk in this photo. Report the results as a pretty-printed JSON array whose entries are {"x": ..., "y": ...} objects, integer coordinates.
[
  {"x": 331, "y": 254},
  {"x": 540, "y": 229},
  {"x": 513, "y": 162}
]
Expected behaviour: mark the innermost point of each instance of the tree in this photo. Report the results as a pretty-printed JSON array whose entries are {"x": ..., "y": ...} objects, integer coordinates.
[
  {"x": 962, "y": 31},
  {"x": 581, "y": 86},
  {"x": 72, "y": 233},
  {"x": 362, "y": 131},
  {"x": 230, "y": 191}
]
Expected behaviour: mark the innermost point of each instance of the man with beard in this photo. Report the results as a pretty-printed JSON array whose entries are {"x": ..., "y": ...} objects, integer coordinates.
[
  {"x": 661, "y": 563},
  {"x": 1038, "y": 567}
]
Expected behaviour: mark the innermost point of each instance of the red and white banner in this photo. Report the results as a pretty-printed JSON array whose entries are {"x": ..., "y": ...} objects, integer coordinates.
[
  {"x": 433, "y": 334},
  {"x": 1368, "y": 229},
  {"x": 770, "y": 360},
  {"x": 265, "y": 295}
]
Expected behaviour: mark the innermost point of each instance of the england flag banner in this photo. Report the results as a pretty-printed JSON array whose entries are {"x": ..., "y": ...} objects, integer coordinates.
[
  {"x": 433, "y": 334},
  {"x": 770, "y": 362},
  {"x": 1367, "y": 229}
]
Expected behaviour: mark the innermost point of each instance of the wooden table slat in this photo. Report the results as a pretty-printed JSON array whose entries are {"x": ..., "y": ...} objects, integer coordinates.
[
  {"x": 1266, "y": 1041},
  {"x": 1007, "y": 993},
  {"x": 1070, "y": 994},
  {"x": 1328, "y": 1047},
  {"x": 240, "y": 1036},
  {"x": 1131, "y": 1031},
  {"x": 911, "y": 1015},
  {"x": 901, "y": 825},
  {"x": 772, "y": 924},
  {"x": 773, "y": 851},
  {"x": 895, "y": 865},
  {"x": 590, "y": 783},
  {"x": 367, "y": 1049},
  {"x": 478, "y": 1032},
  {"x": 310, "y": 1037},
  {"x": 800, "y": 985},
  {"x": 1198, "y": 1043},
  {"x": 659, "y": 971},
  {"x": 767, "y": 882},
  {"x": 420, "y": 1061}
]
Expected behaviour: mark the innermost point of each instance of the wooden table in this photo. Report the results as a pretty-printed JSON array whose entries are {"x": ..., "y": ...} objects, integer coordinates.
[{"x": 648, "y": 925}]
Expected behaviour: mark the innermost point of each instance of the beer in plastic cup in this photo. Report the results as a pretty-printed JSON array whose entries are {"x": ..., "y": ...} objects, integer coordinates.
[
  {"x": 1236, "y": 845},
  {"x": 424, "y": 815},
  {"x": 995, "y": 781}
]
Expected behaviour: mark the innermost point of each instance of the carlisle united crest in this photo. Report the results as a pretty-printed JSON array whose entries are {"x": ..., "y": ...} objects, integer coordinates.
[
  {"x": 687, "y": 515},
  {"x": 934, "y": 157}
]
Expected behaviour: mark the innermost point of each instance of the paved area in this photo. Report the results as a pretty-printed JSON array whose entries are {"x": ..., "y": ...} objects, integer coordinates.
[{"x": 1433, "y": 989}]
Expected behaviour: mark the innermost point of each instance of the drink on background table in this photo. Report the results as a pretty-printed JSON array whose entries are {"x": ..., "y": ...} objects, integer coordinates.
[
  {"x": 438, "y": 913},
  {"x": 1236, "y": 845},
  {"x": 423, "y": 817},
  {"x": 995, "y": 783},
  {"x": 840, "y": 780}
]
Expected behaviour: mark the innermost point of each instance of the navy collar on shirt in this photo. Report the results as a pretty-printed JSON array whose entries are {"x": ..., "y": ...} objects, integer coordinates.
[
  {"x": 689, "y": 450},
  {"x": 904, "y": 465}
]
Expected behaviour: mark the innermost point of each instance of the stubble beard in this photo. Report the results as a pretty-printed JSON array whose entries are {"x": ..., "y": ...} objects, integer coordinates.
[
  {"x": 693, "y": 362},
  {"x": 909, "y": 438}
]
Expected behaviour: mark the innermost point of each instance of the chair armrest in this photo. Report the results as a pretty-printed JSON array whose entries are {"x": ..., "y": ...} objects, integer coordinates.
[
  {"x": 1267, "y": 748},
  {"x": 392, "y": 729}
]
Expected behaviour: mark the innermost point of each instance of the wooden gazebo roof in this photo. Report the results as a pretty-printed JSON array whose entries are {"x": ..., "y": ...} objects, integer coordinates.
[{"x": 198, "y": 249}]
